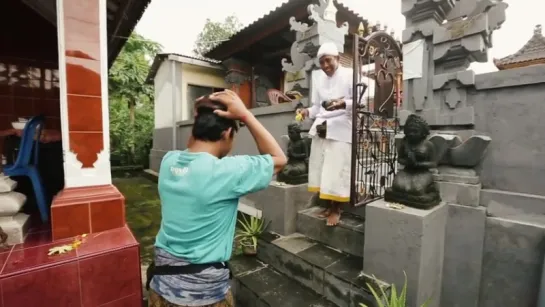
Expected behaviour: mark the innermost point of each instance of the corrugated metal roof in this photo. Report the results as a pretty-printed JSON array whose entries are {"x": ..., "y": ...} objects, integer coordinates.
[
  {"x": 196, "y": 57},
  {"x": 122, "y": 18},
  {"x": 282, "y": 10},
  {"x": 534, "y": 49}
]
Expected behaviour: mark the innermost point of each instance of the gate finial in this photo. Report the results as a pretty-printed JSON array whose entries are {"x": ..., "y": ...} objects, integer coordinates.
[{"x": 361, "y": 30}]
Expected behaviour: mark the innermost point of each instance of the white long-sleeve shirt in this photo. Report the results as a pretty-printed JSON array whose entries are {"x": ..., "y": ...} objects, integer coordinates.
[{"x": 339, "y": 122}]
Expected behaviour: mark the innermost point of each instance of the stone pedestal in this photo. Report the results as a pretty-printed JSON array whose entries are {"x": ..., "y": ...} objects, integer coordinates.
[
  {"x": 459, "y": 185},
  {"x": 77, "y": 211},
  {"x": 406, "y": 240},
  {"x": 462, "y": 266},
  {"x": 12, "y": 223},
  {"x": 279, "y": 204}
]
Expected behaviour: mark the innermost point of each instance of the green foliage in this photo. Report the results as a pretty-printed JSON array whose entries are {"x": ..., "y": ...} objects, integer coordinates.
[
  {"x": 130, "y": 144},
  {"x": 394, "y": 301},
  {"x": 249, "y": 231},
  {"x": 213, "y": 33},
  {"x": 131, "y": 102}
]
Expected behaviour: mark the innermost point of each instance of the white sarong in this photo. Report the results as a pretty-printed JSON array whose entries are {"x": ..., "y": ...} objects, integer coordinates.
[{"x": 329, "y": 169}]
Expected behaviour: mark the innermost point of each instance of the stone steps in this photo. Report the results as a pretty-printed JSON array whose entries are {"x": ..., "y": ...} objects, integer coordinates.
[
  {"x": 328, "y": 272},
  {"x": 348, "y": 236},
  {"x": 255, "y": 284}
]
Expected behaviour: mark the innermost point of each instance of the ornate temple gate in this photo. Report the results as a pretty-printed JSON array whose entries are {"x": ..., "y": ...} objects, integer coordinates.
[{"x": 374, "y": 158}]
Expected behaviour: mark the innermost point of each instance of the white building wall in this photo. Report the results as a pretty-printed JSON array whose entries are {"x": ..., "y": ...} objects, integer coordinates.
[{"x": 163, "y": 96}]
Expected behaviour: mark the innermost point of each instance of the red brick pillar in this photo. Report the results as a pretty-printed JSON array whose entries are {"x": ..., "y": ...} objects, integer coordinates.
[{"x": 89, "y": 203}]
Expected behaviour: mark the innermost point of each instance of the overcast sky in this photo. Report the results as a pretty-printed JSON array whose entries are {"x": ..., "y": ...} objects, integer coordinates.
[{"x": 176, "y": 23}]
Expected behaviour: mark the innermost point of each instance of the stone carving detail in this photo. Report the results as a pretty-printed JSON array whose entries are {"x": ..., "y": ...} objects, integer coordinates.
[
  {"x": 298, "y": 26},
  {"x": 298, "y": 152},
  {"x": 238, "y": 72},
  {"x": 298, "y": 59},
  {"x": 455, "y": 34},
  {"x": 236, "y": 78},
  {"x": 414, "y": 186},
  {"x": 457, "y": 153},
  {"x": 310, "y": 37}
]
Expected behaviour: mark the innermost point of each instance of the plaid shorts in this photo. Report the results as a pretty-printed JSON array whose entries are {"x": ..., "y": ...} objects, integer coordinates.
[{"x": 155, "y": 300}]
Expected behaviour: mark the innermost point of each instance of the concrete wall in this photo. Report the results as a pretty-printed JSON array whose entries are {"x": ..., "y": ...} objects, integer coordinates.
[
  {"x": 163, "y": 96},
  {"x": 185, "y": 74},
  {"x": 494, "y": 255},
  {"x": 509, "y": 107},
  {"x": 197, "y": 75},
  {"x": 275, "y": 118}
]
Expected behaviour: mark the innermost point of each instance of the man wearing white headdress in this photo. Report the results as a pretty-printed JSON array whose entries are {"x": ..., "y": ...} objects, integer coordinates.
[{"x": 331, "y": 150}]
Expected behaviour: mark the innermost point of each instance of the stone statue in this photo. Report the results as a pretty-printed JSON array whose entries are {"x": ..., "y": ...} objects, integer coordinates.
[
  {"x": 414, "y": 186},
  {"x": 296, "y": 171},
  {"x": 3, "y": 237}
]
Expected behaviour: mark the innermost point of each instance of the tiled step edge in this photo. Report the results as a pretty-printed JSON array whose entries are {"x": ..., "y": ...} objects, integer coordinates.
[
  {"x": 348, "y": 236},
  {"x": 328, "y": 272},
  {"x": 257, "y": 285}
]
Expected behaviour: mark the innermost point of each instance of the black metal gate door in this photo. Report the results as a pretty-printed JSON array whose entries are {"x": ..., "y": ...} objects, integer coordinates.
[{"x": 375, "y": 125}]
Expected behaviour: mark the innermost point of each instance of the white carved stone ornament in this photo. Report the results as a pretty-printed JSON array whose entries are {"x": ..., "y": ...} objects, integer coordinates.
[
  {"x": 324, "y": 29},
  {"x": 77, "y": 176}
]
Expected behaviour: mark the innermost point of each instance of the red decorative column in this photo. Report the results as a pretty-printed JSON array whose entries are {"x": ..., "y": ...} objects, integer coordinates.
[{"x": 89, "y": 203}]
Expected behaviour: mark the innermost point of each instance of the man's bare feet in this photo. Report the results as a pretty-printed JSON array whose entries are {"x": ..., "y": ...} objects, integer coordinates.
[
  {"x": 334, "y": 217},
  {"x": 325, "y": 213}
]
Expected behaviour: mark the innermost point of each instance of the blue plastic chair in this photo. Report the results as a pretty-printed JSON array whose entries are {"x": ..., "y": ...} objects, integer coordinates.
[{"x": 23, "y": 166}]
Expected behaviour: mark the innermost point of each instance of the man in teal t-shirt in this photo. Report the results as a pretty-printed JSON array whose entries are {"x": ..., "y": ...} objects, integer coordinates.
[
  {"x": 199, "y": 189},
  {"x": 203, "y": 191}
]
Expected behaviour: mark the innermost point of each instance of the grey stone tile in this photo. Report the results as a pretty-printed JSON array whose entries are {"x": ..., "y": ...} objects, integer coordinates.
[
  {"x": 275, "y": 290},
  {"x": 291, "y": 265},
  {"x": 241, "y": 264},
  {"x": 321, "y": 256},
  {"x": 348, "y": 236},
  {"x": 336, "y": 290},
  {"x": 295, "y": 243},
  {"x": 347, "y": 268}
]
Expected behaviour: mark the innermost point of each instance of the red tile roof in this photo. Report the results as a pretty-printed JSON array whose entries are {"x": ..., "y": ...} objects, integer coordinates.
[{"x": 533, "y": 50}]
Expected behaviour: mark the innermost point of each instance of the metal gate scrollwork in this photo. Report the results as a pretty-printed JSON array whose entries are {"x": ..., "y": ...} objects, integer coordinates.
[{"x": 374, "y": 157}]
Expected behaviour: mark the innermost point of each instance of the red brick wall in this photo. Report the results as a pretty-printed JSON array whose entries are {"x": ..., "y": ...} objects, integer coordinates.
[{"x": 28, "y": 66}]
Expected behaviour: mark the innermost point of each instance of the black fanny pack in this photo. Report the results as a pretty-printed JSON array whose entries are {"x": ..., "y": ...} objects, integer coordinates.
[{"x": 182, "y": 270}]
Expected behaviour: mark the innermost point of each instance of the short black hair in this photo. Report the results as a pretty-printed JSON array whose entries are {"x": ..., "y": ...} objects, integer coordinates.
[{"x": 209, "y": 127}]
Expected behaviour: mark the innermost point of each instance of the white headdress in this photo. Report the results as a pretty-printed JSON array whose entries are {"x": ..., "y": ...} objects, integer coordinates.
[{"x": 328, "y": 49}]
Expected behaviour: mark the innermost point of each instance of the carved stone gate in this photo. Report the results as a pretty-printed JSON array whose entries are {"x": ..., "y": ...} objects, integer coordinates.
[{"x": 374, "y": 158}]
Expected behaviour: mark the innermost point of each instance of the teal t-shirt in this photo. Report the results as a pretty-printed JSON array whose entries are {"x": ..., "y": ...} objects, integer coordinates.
[{"x": 199, "y": 199}]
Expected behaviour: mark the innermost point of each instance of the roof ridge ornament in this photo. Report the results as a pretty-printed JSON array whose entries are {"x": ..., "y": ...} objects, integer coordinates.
[
  {"x": 330, "y": 12},
  {"x": 538, "y": 30}
]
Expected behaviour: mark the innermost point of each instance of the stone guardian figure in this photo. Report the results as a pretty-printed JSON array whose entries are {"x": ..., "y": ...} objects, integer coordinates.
[{"x": 414, "y": 185}]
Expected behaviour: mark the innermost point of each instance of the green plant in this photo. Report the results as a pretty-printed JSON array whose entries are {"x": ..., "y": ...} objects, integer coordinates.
[
  {"x": 394, "y": 300},
  {"x": 131, "y": 102},
  {"x": 249, "y": 231}
]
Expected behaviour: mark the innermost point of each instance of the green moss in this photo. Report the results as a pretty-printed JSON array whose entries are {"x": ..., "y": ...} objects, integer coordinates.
[{"x": 143, "y": 211}]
